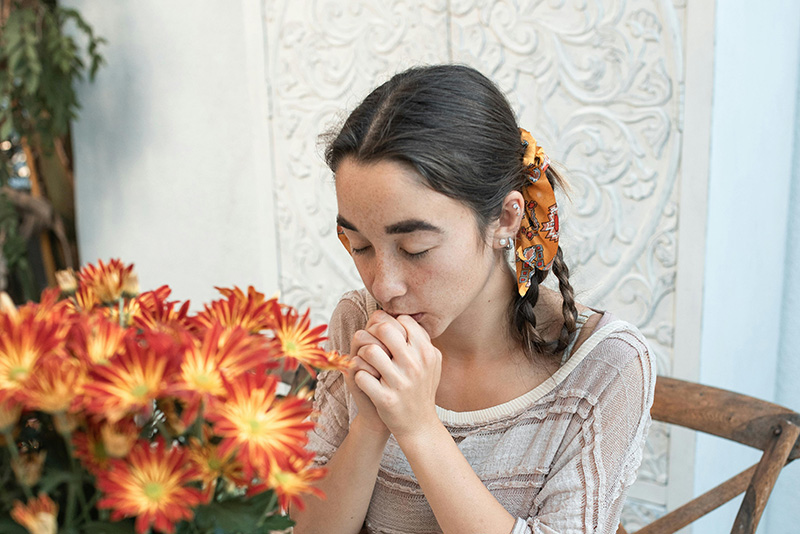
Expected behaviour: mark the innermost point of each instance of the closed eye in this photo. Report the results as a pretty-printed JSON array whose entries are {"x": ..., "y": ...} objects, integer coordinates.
[{"x": 416, "y": 255}]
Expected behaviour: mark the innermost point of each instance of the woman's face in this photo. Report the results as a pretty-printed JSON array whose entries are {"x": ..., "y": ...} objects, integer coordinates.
[{"x": 418, "y": 252}]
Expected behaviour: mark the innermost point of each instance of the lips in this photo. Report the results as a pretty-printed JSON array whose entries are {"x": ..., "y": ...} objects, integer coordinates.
[{"x": 415, "y": 316}]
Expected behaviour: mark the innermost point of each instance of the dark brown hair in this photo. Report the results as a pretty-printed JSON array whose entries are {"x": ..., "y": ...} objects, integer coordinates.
[{"x": 457, "y": 130}]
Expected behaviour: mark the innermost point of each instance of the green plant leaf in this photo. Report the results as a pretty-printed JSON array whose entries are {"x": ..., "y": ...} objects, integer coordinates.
[
  {"x": 239, "y": 515},
  {"x": 9, "y": 526},
  {"x": 108, "y": 527}
]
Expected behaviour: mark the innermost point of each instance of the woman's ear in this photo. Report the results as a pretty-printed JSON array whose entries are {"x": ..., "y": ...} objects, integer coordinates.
[{"x": 508, "y": 223}]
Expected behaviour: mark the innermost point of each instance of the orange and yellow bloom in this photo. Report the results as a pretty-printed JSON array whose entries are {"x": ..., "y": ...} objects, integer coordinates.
[
  {"x": 26, "y": 339},
  {"x": 151, "y": 484},
  {"x": 110, "y": 282},
  {"x": 133, "y": 379},
  {"x": 264, "y": 431},
  {"x": 252, "y": 312},
  {"x": 38, "y": 516}
]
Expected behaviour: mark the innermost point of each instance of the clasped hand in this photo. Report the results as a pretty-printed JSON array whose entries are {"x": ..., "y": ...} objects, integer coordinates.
[{"x": 395, "y": 374}]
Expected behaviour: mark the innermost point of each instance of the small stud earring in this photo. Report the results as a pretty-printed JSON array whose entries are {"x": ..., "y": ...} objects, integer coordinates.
[
  {"x": 503, "y": 241},
  {"x": 515, "y": 206}
]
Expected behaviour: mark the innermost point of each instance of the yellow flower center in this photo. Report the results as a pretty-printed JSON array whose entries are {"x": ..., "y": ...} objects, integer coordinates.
[
  {"x": 255, "y": 426},
  {"x": 290, "y": 347},
  {"x": 140, "y": 391},
  {"x": 18, "y": 374},
  {"x": 154, "y": 491},
  {"x": 214, "y": 464},
  {"x": 202, "y": 380}
]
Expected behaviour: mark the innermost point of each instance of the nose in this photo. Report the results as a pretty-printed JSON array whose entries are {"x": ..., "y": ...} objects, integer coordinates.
[{"x": 388, "y": 281}]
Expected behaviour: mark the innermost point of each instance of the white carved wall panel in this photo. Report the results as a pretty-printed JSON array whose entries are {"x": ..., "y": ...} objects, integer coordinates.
[{"x": 599, "y": 84}]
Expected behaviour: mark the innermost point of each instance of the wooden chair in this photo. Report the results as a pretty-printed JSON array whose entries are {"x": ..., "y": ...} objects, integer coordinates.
[{"x": 760, "y": 424}]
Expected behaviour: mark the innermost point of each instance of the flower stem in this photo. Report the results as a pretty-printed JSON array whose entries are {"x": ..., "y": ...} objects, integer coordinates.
[
  {"x": 302, "y": 384},
  {"x": 268, "y": 511},
  {"x": 162, "y": 429},
  {"x": 11, "y": 443},
  {"x": 66, "y": 435}
]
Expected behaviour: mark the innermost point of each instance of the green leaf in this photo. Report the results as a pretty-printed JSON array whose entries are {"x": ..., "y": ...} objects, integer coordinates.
[
  {"x": 9, "y": 526},
  {"x": 238, "y": 515},
  {"x": 108, "y": 527},
  {"x": 52, "y": 479},
  {"x": 277, "y": 522}
]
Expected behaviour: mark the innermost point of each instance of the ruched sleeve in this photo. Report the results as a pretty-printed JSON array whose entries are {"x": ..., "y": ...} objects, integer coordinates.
[{"x": 333, "y": 407}]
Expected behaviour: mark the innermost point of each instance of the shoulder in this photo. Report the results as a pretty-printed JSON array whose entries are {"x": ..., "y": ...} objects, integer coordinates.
[
  {"x": 616, "y": 354},
  {"x": 350, "y": 314}
]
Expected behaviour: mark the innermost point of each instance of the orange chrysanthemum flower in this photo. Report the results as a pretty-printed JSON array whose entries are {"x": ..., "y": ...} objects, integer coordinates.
[
  {"x": 118, "y": 438},
  {"x": 26, "y": 338},
  {"x": 132, "y": 379},
  {"x": 212, "y": 466},
  {"x": 151, "y": 484},
  {"x": 38, "y": 516},
  {"x": 90, "y": 449},
  {"x": 84, "y": 300},
  {"x": 294, "y": 481},
  {"x": 110, "y": 282},
  {"x": 221, "y": 355},
  {"x": 95, "y": 339},
  {"x": 298, "y": 342},
  {"x": 264, "y": 431},
  {"x": 252, "y": 312},
  {"x": 335, "y": 361},
  {"x": 162, "y": 315},
  {"x": 148, "y": 299},
  {"x": 55, "y": 384}
]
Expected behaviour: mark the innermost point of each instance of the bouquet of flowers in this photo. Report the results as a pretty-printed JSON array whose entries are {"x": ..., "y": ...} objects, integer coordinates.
[{"x": 123, "y": 412}]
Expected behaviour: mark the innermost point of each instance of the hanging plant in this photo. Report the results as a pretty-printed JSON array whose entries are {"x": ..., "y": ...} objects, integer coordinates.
[{"x": 42, "y": 56}]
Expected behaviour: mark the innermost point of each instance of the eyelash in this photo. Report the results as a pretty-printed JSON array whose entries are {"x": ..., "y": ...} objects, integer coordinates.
[{"x": 413, "y": 256}]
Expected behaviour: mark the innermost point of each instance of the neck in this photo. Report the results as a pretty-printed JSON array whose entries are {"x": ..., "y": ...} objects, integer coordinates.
[{"x": 482, "y": 332}]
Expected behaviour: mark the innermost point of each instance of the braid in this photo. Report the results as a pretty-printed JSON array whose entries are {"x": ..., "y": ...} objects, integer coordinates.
[
  {"x": 525, "y": 320},
  {"x": 568, "y": 308}
]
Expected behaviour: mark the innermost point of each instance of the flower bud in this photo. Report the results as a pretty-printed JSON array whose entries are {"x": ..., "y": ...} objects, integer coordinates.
[
  {"x": 28, "y": 467},
  {"x": 67, "y": 282}
]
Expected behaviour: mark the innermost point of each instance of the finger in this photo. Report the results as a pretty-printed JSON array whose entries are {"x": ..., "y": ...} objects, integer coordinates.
[
  {"x": 367, "y": 383},
  {"x": 393, "y": 336},
  {"x": 380, "y": 360},
  {"x": 381, "y": 317},
  {"x": 363, "y": 337},
  {"x": 360, "y": 365},
  {"x": 417, "y": 336}
]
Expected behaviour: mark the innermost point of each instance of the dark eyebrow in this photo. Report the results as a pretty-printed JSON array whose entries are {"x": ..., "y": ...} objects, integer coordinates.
[
  {"x": 402, "y": 227},
  {"x": 344, "y": 223},
  {"x": 412, "y": 225}
]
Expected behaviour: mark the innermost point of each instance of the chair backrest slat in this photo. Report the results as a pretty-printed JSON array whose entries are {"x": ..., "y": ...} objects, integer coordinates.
[
  {"x": 766, "y": 426},
  {"x": 729, "y": 415}
]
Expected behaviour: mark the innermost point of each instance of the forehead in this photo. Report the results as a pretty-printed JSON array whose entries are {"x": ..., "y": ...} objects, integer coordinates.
[{"x": 375, "y": 195}]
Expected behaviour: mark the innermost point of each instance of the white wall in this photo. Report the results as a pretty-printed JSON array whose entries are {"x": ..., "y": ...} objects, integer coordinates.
[
  {"x": 172, "y": 152},
  {"x": 752, "y": 142}
]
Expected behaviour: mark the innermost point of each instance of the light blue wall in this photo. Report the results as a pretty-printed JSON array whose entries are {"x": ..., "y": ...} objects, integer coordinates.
[
  {"x": 752, "y": 144},
  {"x": 783, "y": 511}
]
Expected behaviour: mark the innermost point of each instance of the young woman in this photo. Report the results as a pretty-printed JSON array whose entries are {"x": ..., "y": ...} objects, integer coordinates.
[{"x": 479, "y": 401}]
